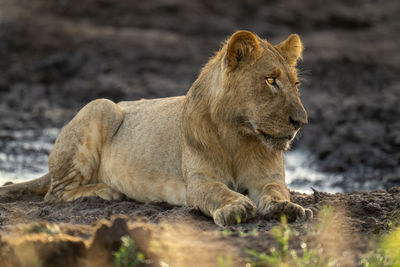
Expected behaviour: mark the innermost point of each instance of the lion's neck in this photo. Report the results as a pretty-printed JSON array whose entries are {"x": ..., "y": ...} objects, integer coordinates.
[{"x": 206, "y": 117}]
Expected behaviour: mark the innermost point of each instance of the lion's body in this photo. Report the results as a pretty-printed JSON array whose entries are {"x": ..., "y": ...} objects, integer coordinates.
[
  {"x": 205, "y": 149},
  {"x": 144, "y": 158}
]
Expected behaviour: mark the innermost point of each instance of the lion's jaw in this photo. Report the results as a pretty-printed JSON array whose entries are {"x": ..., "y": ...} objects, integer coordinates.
[
  {"x": 281, "y": 142},
  {"x": 278, "y": 141}
]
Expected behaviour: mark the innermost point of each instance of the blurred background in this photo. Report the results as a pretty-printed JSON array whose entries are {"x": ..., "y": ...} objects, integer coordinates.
[{"x": 56, "y": 56}]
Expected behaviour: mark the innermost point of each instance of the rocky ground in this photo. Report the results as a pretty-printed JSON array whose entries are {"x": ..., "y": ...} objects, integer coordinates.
[{"x": 55, "y": 56}]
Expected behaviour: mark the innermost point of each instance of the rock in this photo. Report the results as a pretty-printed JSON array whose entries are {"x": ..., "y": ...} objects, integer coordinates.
[
  {"x": 394, "y": 190},
  {"x": 373, "y": 207},
  {"x": 108, "y": 235},
  {"x": 370, "y": 222}
]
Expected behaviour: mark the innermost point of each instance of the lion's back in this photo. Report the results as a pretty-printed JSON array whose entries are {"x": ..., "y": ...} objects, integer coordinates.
[{"x": 145, "y": 153}]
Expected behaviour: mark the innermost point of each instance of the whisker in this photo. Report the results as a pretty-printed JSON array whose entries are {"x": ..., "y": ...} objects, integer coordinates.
[{"x": 302, "y": 73}]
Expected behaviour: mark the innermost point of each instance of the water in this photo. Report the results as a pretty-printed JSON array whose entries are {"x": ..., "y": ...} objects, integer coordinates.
[
  {"x": 302, "y": 173},
  {"x": 24, "y": 154}
]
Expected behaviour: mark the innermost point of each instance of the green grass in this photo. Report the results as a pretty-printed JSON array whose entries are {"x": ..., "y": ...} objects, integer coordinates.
[
  {"x": 282, "y": 255},
  {"x": 394, "y": 219},
  {"x": 48, "y": 228},
  {"x": 224, "y": 261},
  {"x": 388, "y": 253},
  {"x": 227, "y": 232},
  {"x": 128, "y": 255}
]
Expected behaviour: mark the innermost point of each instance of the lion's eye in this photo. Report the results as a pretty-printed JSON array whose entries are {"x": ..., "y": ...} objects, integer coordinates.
[{"x": 270, "y": 80}]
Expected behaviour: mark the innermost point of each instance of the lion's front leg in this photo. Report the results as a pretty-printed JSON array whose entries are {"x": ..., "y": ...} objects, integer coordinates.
[
  {"x": 216, "y": 200},
  {"x": 273, "y": 201}
]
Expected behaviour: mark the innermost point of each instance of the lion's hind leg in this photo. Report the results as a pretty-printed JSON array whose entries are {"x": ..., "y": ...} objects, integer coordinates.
[
  {"x": 75, "y": 159},
  {"x": 100, "y": 190}
]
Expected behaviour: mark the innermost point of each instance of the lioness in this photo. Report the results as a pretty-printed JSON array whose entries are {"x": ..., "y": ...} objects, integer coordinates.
[{"x": 209, "y": 149}]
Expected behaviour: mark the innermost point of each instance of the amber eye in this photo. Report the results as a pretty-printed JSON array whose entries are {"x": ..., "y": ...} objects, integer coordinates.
[{"x": 270, "y": 80}]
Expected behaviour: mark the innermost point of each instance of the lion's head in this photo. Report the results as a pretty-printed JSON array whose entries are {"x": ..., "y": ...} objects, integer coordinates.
[{"x": 258, "y": 88}]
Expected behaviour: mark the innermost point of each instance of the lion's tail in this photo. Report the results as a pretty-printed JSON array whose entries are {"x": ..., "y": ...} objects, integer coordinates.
[{"x": 38, "y": 186}]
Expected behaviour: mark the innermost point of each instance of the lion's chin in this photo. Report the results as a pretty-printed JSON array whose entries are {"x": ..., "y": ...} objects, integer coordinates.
[{"x": 275, "y": 143}]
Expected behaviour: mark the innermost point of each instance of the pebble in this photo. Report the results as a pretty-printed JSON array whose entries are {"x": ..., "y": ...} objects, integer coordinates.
[{"x": 373, "y": 207}]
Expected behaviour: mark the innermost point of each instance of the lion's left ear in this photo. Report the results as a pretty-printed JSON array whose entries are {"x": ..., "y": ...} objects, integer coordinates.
[{"x": 292, "y": 49}]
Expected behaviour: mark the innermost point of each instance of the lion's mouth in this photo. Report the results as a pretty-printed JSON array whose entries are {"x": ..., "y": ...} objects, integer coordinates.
[{"x": 278, "y": 138}]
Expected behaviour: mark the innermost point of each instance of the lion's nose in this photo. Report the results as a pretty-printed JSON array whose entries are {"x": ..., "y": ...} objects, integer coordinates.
[
  {"x": 298, "y": 116},
  {"x": 297, "y": 124}
]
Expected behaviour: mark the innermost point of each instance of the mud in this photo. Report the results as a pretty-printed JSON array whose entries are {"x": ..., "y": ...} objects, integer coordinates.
[
  {"x": 358, "y": 206},
  {"x": 79, "y": 234}
]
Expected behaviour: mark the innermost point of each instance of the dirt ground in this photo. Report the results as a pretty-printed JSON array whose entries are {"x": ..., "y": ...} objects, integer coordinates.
[
  {"x": 55, "y": 56},
  {"x": 67, "y": 234}
]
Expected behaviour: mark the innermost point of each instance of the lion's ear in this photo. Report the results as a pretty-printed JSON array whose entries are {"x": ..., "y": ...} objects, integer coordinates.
[
  {"x": 242, "y": 46},
  {"x": 292, "y": 49}
]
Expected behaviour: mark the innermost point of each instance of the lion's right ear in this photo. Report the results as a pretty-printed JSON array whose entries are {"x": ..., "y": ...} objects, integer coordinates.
[{"x": 242, "y": 47}]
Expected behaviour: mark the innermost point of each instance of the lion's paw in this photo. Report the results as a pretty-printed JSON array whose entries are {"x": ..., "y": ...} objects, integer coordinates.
[
  {"x": 109, "y": 194},
  {"x": 237, "y": 211},
  {"x": 291, "y": 210}
]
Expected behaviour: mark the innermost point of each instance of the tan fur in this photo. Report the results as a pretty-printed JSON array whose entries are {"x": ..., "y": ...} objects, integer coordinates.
[{"x": 205, "y": 149}]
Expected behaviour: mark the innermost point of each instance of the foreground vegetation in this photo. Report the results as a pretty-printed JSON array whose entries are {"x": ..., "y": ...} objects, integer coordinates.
[
  {"x": 322, "y": 247},
  {"x": 384, "y": 253}
]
